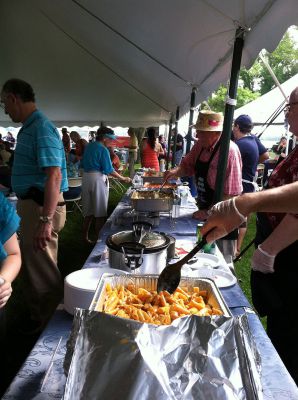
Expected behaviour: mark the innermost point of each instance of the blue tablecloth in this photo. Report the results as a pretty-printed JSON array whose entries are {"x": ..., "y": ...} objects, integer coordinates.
[{"x": 41, "y": 376}]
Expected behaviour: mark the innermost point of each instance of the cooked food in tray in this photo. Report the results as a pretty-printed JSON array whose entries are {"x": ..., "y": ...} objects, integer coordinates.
[
  {"x": 156, "y": 308},
  {"x": 143, "y": 194},
  {"x": 153, "y": 173}
]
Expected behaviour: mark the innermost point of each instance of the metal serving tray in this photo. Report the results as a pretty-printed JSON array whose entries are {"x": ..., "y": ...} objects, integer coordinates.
[
  {"x": 149, "y": 282},
  {"x": 152, "y": 205},
  {"x": 154, "y": 177}
]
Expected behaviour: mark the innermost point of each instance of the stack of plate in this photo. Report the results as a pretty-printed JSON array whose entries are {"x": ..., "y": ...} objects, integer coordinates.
[
  {"x": 205, "y": 265},
  {"x": 80, "y": 286},
  {"x": 204, "y": 260}
]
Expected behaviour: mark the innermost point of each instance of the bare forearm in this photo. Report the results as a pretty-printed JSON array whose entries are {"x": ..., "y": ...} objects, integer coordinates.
[
  {"x": 263, "y": 157},
  {"x": 175, "y": 172},
  {"x": 11, "y": 265},
  {"x": 283, "y": 235},
  {"x": 282, "y": 199},
  {"x": 52, "y": 191},
  {"x": 120, "y": 177},
  {"x": 116, "y": 175}
]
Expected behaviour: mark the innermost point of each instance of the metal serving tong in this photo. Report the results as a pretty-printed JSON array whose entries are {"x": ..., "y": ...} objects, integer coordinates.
[
  {"x": 170, "y": 276},
  {"x": 140, "y": 229},
  {"x": 162, "y": 185}
]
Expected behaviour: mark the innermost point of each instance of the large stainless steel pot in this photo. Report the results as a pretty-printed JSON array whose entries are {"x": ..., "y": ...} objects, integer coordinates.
[{"x": 145, "y": 253}]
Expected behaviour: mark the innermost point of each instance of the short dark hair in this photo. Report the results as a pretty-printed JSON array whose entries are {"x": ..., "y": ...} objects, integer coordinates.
[
  {"x": 20, "y": 88},
  {"x": 244, "y": 123}
]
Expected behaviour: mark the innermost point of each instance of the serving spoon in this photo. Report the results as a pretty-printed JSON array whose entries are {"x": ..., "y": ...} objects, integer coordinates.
[{"x": 170, "y": 276}]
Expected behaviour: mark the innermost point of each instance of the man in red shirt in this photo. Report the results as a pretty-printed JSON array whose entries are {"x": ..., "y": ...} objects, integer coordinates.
[{"x": 202, "y": 162}]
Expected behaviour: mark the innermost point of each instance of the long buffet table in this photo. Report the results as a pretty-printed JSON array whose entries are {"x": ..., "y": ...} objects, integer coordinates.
[{"x": 42, "y": 376}]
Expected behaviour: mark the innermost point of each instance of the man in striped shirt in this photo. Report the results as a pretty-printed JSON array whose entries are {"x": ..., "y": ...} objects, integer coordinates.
[{"x": 39, "y": 180}]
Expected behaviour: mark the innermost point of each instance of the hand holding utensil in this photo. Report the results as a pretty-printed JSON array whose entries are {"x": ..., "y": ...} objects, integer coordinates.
[{"x": 170, "y": 276}]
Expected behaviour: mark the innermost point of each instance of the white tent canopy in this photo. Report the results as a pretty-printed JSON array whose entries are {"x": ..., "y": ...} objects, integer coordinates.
[
  {"x": 130, "y": 62},
  {"x": 263, "y": 107}
]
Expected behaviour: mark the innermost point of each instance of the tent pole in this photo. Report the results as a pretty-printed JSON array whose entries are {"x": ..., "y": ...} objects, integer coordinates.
[
  {"x": 191, "y": 112},
  {"x": 229, "y": 113},
  {"x": 175, "y": 136},
  {"x": 273, "y": 76},
  {"x": 169, "y": 141}
]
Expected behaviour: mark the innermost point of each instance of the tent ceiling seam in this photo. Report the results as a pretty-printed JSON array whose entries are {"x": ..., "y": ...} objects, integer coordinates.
[
  {"x": 104, "y": 64},
  {"x": 264, "y": 11},
  {"x": 132, "y": 43},
  {"x": 216, "y": 9},
  {"x": 245, "y": 28}
]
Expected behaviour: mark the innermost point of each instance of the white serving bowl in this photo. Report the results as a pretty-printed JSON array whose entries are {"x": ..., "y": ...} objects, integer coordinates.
[{"x": 80, "y": 286}]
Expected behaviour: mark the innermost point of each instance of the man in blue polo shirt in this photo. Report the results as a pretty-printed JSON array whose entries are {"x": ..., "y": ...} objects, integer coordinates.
[
  {"x": 39, "y": 179},
  {"x": 252, "y": 153}
]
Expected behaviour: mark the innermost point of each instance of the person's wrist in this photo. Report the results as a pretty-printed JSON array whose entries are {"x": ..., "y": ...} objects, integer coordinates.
[
  {"x": 240, "y": 204},
  {"x": 45, "y": 219},
  {"x": 267, "y": 250}
]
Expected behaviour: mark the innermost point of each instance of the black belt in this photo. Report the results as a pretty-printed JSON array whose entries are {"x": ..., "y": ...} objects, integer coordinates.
[{"x": 59, "y": 204}]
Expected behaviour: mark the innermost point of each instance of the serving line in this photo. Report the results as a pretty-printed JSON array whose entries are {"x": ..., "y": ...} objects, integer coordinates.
[{"x": 42, "y": 370}]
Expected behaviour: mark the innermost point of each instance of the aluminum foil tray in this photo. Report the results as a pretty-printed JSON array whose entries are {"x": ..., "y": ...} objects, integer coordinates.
[
  {"x": 149, "y": 282},
  {"x": 152, "y": 205},
  {"x": 151, "y": 185},
  {"x": 153, "y": 179}
]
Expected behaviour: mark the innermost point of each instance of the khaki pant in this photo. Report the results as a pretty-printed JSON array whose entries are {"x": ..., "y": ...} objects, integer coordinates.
[
  {"x": 41, "y": 279},
  {"x": 132, "y": 157}
]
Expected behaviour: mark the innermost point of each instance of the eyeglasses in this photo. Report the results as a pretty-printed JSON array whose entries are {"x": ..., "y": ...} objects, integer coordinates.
[{"x": 289, "y": 105}]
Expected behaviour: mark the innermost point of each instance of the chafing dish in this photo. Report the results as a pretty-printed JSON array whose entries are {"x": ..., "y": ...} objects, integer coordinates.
[{"x": 152, "y": 200}]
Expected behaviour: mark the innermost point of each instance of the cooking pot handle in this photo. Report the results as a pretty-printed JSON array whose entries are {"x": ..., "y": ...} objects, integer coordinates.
[{"x": 133, "y": 254}]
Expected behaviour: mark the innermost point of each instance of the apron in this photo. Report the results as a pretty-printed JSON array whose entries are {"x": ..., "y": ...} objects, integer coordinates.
[
  {"x": 205, "y": 196},
  {"x": 205, "y": 193}
]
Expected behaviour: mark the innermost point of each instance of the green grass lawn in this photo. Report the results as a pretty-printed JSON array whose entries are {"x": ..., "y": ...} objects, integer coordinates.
[{"x": 242, "y": 267}]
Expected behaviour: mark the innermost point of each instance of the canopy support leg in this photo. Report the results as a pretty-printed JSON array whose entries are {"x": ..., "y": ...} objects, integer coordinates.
[{"x": 229, "y": 114}]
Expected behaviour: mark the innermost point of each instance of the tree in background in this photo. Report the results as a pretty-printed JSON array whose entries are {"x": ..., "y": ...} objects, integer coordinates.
[
  {"x": 244, "y": 95},
  {"x": 257, "y": 81},
  {"x": 283, "y": 61}
]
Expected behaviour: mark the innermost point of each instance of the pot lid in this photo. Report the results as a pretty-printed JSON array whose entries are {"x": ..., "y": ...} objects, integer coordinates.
[{"x": 151, "y": 240}]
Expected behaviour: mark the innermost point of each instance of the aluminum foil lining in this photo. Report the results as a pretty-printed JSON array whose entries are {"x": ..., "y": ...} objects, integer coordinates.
[
  {"x": 202, "y": 358},
  {"x": 149, "y": 282}
]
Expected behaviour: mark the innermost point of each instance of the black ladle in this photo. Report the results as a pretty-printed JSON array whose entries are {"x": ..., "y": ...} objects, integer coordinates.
[{"x": 170, "y": 276}]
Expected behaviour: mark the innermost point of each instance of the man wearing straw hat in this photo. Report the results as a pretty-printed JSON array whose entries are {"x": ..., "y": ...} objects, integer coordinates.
[{"x": 202, "y": 162}]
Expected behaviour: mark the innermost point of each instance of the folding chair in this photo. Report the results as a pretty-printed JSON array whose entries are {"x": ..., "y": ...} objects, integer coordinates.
[{"x": 74, "y": 193}]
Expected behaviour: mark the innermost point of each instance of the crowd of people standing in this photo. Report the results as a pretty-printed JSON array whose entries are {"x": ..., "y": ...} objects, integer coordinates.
[{"x": 39, "y": 179}]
